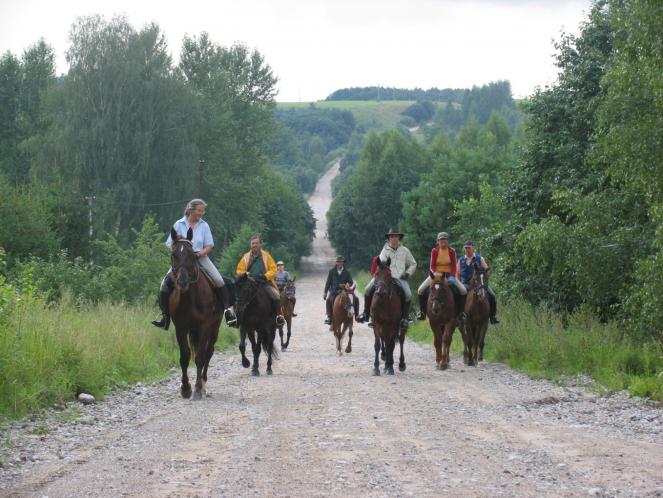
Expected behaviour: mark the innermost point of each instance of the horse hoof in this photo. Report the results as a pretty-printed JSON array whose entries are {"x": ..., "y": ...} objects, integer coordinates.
[
  {"x": 284, "y": 348},
  {"x": 402, "y": 367},
  {"x": 197, "y": 396},
  {"x": 443, "y": 366},
  {"x": 255, "y": 373},
  {"x": 339, "y": 353},
  {"x": 376, "y": 372},
  {"x": 186, "y": 392},
  {"x": 389, "y": 371},
  {"x": 348, "y": 350},
  {"x": 269, "y": 371},
  {"x": 246, "y": 363}
]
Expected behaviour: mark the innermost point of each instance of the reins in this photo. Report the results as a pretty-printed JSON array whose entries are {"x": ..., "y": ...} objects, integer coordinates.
[{"x": 196, "y": 265}]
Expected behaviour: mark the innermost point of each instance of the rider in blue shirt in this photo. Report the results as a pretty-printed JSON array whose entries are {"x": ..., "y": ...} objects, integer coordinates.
[{"x": 465, "y": 270}]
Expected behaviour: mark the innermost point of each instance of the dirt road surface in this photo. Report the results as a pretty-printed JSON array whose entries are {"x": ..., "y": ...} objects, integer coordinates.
[{"x": 323, "y": 426}]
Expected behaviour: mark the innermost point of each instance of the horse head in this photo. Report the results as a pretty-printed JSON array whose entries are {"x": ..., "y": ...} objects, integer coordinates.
[
  {"x": 439, "y": 291},
  {"x": 290, "y": 289},
  {"x": 382, "y": 278},
  {"x": 479, "y": 281},
  {"x": 346, "y": 298},
  {"x": 247, "y": 289},
  {"x": 183, "y": 260}
]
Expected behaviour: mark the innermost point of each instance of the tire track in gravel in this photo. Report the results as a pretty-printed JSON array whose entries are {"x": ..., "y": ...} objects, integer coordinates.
[{"x": 323, "y": 426}]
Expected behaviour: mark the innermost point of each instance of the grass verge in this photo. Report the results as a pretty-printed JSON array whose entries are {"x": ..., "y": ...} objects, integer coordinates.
[{"x": 49, "y": 354}]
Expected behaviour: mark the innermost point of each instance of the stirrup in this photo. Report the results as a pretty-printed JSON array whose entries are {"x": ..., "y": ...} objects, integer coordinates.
[
  {"x": 405, "y": 323},
  {"x": 230, "y": 317},
  {"x": 421, "y": 316},
  {"x": 362, "y": 318}
]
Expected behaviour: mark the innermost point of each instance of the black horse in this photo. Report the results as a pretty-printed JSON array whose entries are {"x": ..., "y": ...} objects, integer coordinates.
[{"x": 255, "y": 316}]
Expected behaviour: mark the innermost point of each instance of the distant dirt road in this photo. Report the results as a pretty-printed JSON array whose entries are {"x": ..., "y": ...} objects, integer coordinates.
[{"x": 323, "y": 426}]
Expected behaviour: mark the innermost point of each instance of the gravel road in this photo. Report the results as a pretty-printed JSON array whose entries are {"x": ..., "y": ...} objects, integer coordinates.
[{"x": 323, "y": 426}]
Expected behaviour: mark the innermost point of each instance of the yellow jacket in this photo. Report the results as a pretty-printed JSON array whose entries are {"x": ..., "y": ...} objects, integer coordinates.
[{"x": 267, "y": 263}]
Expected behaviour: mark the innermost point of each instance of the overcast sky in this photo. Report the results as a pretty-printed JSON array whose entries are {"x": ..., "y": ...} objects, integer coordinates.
[{"x": 318, "y": 46}]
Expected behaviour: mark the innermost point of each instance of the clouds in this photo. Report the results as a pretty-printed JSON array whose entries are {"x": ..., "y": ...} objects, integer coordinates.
[{"x": 318, "y": 46}]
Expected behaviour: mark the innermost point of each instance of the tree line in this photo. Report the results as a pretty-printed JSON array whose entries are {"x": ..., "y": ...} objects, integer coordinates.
[
  {"x": 126, "y": 137},
  {"x": 389, "y": 93},
  {"x": 568, "y": 208}
]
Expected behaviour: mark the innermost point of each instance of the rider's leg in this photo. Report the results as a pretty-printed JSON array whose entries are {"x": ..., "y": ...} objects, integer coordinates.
[
  {"x": 164, "y": 298},
  {"x": 329, "y": 304},
  {"x": 461, "y": 297},
  {"x": 493, "y": 306},
  {"x": 368, "y": 297},
  {"x": 423, "y": 298},
  {"x": 405, "y": 304},
  {"x": 220, "y": 290},
  {"x": 355, "y": 304},
  {"x": 276, "y": 303}
]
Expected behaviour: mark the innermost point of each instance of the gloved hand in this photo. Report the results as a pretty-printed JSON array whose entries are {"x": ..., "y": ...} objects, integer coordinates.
[{"x": 404, "y": 276}]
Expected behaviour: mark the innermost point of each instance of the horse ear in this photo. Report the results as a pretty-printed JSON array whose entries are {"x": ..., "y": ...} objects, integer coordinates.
[
  {"x": 388, "y": 263},
  {"x": 189, "y": 234},
  {"x": 173, "y": 235}
]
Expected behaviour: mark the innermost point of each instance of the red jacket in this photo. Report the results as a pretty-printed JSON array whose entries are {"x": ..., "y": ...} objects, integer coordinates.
[
  {"x": 374, "y": 265},
  {"x": 452, "y": 257}
]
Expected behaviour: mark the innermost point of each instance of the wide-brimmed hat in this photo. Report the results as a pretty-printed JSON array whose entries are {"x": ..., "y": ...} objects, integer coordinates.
[
  {"x": 280, "y": 263},
  {"x": 442, "y": 235},
  {"x": 340, "y": 258},
  {"x": 393, "y": 231},
  {"x": 468, "y": 243}
]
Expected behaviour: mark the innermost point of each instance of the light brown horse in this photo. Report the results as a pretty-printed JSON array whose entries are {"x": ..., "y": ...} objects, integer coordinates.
[
  {"x": 386, "y": 313},
  {"x": 343, "y": 318},
  {"x": 194, "y": 311},
  {"x": 477, "y": 309},
  {"x": 287, "y": 310},
  {"x": 441, "y": 313}
]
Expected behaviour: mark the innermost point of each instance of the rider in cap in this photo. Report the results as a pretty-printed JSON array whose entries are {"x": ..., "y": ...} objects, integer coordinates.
[
  {"x": 442, "y": 260},
  {"x": 336, "y": 277},
  {"x": 466, "y": 270},
  {"x": 281, "y": 278}
]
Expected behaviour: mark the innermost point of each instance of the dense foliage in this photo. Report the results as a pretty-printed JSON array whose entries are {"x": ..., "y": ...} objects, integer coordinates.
[
  {"x": 388, "y": 93},
  {"x": 87, "y": 157}
]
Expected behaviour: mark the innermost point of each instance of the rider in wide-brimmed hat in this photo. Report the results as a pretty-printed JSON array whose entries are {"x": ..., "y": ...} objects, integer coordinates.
[
  {"x": 336, "y": 277},
  {"x": 402, "y": 265}
]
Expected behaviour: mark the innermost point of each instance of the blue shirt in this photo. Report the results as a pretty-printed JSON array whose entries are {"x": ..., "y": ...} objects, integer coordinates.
[
  {"x": 202, "y": 235},
  {"x": 281, "y": 278},
  {"x": 466, "y": 268}
]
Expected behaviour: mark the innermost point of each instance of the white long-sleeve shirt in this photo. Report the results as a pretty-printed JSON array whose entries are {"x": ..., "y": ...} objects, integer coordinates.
[{"x": 402, "y": 260}]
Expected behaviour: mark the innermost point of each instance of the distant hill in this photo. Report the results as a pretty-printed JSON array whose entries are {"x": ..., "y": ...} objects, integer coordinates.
[
  {"x": 369, "y": 114},
  {"x": 380, "y": 93}
]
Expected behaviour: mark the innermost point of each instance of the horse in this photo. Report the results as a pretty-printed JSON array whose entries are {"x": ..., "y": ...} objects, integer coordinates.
[
  {"x": 194, "y": 311},
  {"x": 254, "y": 316},
  {"x": 386, "y": 313},
  {"x": 287, "y": 310},
  {"x": 477, "y": 310},
  {"x": 441, "y": 312},
  {"x": 342, "y": 318}
]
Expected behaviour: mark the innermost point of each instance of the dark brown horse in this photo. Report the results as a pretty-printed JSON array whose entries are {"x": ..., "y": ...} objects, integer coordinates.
[
  {"x": 386, "y": 313},
  {"x": 255, "y": 316},
  {"x": 440, "y": 309},
  {"x": 477, "y": 309},
  {"x": 194, "y": 312},
  {"x": 287, "y": 310},
  {"x": 343, "y": 318}
]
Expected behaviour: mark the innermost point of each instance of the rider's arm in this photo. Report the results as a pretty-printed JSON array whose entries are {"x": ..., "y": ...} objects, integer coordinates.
[
  {"x": 484, "y": 265},
  {"x": 433, "y": 258},
  {"x": 410, "y": 263},
  {"x": 270, "y": 271},
  {"x": 205, "y": 251},
  {"x": 241, "y": 266}
]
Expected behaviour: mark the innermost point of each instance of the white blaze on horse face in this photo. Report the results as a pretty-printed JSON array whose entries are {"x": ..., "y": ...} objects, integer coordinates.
[
  {"x": 181, "y": 248},
  {"x": 437, "y": 286}
]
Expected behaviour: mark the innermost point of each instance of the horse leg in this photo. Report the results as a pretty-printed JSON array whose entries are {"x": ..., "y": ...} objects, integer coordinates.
[
  {"x": 288, "y": 322},
  {"x": 255, "y": 347},
  {"x": 208, "y": 356},
  {"x": 269, "y": 347},
  {"x": 242, "y": 347},
  {"x": 185, "y": 354},
  {"x": 437, "y": 342},
  {"x": 348, "y": 349},
  {"x": 377, "y": 346},
  {"x": 389, "y": 364},
  {"x": 465, "y": 335},
  {"x": 446, "y": 343},
  {"x": 484, "y": 329},
  {"x": 201, "y": 356},
  {"x": 401, "y": 362},
  {"x": 383, "y": 354},
  {"x": 280, "y": 327},
  {"x": 337, "y": 337}
]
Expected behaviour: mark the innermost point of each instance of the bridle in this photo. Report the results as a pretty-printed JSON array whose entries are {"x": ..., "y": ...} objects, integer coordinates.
[{"x": 178, "y": 268}]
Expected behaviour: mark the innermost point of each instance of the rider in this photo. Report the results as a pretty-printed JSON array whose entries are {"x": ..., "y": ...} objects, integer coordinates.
[
  {"x": 338, "y": 275},
  {"x": 402, "y": 266},
  {"x": 466, "y": 271},
  {"x": 282, "y": 276},
  {"x": 259, "y": 265},
  {"x": 442, "y": 260},
  {"x": 202, "y": 245}
]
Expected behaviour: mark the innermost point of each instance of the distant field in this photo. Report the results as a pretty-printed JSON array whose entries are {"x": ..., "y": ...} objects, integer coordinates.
[{"x": 371, "y": 114}]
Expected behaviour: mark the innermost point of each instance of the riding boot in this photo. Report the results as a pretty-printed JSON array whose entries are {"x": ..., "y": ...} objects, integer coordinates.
[
  {"x": 276, "y": 310},
  {"x": 493, "y": 307},
  {"x": 223, "y": 299},
  {"x": 405, "y": 315},
  {"x": 355, "y": 304},
  {"x": 423, "y": 302},
  {"x": 328, "y": 308},
  {"x": 164, "y": 298},
  {"x": 460, "y": 310},
  {"x": 366, "y": 315}
]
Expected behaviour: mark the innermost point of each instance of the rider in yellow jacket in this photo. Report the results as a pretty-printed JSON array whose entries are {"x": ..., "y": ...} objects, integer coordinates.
[{"x": 259, "y": 264}]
